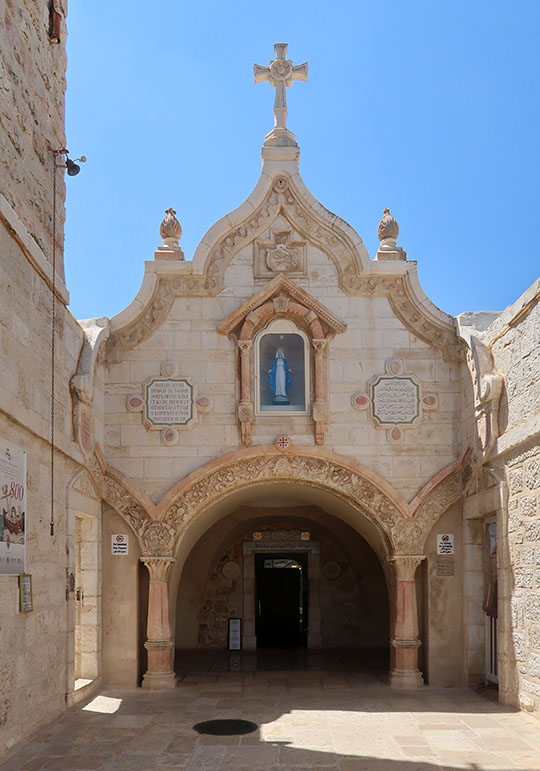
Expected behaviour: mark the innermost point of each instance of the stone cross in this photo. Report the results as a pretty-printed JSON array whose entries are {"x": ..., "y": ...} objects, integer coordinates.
[{"x": 280, "y": 74}]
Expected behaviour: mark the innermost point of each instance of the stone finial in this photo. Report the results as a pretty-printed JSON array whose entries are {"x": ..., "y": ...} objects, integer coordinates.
[
  {"x": 388, "y": 227},
  {"x": 170, "y": 229},
  {"x": 388, "y": 231}
]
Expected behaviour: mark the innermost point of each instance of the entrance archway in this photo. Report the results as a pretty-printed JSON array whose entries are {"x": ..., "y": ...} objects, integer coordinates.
[
  {"x": 333, "y": 591},
  {"x": 394, "y": 529}
]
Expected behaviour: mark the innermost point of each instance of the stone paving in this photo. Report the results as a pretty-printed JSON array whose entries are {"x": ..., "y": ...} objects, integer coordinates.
[{"x": 344, "y": 721}]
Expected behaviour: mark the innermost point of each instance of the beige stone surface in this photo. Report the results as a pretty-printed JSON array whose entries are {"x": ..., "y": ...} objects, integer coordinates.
[{"x": 306, "y": 720}]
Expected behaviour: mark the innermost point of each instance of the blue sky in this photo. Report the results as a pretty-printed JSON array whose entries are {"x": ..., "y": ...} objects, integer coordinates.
[{"x": 428, "y": 107}]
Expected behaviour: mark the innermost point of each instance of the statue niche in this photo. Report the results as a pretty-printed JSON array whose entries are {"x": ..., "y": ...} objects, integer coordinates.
[{"x": 282, "y": 369}]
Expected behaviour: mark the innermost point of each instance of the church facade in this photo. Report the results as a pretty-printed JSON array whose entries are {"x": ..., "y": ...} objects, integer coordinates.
[{"x": 283, "y": 442}]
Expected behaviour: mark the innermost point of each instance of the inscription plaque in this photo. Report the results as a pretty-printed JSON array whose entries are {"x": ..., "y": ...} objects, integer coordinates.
[
  {"x": 168, "y": 402},
  {"x": 395, "y": 400}
]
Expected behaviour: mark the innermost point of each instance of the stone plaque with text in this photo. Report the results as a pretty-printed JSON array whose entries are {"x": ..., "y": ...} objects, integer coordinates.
[
  {"x": 168, "y": 402},
  {"x": 395, "y": 400}
]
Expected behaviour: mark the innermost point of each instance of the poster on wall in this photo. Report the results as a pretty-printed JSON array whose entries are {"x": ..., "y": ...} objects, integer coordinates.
[{"x": 12, "y": 509}]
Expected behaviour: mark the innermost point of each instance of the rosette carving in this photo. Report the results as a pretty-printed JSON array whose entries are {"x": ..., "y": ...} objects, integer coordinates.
[{"x": 157, "y": 538}]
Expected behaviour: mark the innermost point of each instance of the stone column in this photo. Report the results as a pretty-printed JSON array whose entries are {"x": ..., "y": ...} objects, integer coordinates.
[
  {"x": 405, "y": 642},
  {"x": 245, "y": 406},
  {"x": 160, "y": 674},
  {"x": 320, "y": 410}
]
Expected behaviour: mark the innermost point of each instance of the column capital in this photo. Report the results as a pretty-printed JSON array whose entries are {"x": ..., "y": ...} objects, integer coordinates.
[
  {"x": 319, "y": 344},
  {"x": 405, "y": 565},
  {"x": 245, "y": 346},
  {"x": 158, "y": 567}
]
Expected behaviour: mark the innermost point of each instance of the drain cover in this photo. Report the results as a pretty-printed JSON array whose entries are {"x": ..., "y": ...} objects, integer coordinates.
[{"x": 225, "y": 727}]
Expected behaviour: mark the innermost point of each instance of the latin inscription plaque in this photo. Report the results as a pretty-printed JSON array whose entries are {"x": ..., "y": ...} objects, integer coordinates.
[
  {"x": 168, "y": 402},
  {"x": 395, "y": 400}
]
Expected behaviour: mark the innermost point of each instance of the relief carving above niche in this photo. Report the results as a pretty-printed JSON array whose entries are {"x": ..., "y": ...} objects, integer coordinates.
[{"x": 281, "y": 252}]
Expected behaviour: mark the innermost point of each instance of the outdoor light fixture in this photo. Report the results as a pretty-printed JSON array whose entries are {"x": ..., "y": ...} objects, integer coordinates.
[{"x": 72, "y": 167}]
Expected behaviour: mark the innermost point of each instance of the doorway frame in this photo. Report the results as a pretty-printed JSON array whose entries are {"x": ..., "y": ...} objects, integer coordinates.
[
  {"x": 249, "y": 549},
  {"x": 301, "y": 559}
]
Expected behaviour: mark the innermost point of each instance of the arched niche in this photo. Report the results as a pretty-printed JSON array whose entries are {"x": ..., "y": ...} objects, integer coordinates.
[{"x": 282, "y": 369}]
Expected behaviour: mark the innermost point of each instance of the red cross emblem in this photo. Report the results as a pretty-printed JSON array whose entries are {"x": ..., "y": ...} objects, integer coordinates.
[{"x": 283, "y": 443}]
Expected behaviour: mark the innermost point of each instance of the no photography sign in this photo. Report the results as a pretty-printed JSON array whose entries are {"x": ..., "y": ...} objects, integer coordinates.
[{"x": 119, "y": 543}]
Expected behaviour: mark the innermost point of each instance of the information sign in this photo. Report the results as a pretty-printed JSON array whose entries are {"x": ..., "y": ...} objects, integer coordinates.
[
  {"x": 12, "y": 509},
  {"x": 120, "y": 543},
  {"x": 235, "y": 634}
]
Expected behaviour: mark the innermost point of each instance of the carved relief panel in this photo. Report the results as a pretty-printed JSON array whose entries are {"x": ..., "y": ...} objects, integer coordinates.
[{"x": 281, "y": 250}]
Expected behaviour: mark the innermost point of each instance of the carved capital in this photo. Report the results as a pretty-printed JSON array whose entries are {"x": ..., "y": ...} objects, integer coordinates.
[
  {"x": 319, "y": 345},
  {"x": 405, "y": 565},
  {"x": 245, "y": 346},
  {"x": 158, "y": 567},
  {"x": 245, "y": 412},
  {"x": 320, "y": 410}
]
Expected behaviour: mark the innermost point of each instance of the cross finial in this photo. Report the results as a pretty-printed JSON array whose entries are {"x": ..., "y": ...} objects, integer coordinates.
[{"x": 281, "y": 74}]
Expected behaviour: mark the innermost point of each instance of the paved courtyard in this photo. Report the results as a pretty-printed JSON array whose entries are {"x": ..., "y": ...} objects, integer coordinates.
[{"x": 346, "y": 721}]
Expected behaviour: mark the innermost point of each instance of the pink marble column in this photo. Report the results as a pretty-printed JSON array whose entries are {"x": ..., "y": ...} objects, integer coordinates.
[
  {"x": 404, "y": 672},
  {"x": 160, "y": 674},
  {"x": 320, "y": 409},
  {"x": 245, "y": 407}
]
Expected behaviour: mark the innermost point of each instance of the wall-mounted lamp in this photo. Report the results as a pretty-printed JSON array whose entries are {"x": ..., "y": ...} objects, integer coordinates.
[{"x": 71, "y": 167}]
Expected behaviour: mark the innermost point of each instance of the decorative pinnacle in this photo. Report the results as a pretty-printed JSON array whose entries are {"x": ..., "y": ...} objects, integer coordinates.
[
  {"x": 388, "y": 227},
  {"x": 170, "y": 230}
]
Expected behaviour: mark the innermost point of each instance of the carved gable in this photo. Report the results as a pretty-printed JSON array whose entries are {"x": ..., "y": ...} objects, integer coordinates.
[{"x": 281, "y": 296}]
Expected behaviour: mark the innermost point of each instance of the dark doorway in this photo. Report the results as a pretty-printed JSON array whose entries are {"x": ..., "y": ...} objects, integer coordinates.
[{"x": 281, "y": 600}]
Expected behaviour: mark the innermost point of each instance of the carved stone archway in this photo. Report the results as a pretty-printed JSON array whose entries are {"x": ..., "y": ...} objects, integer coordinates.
[{"x": 402, "y": 527}]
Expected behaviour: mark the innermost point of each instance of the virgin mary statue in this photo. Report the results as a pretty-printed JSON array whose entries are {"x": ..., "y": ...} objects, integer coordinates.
[{"x": 280, "y": 378}]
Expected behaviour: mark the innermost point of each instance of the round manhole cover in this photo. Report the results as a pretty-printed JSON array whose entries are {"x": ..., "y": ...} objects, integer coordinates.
[{"x": 225, "y": 727}]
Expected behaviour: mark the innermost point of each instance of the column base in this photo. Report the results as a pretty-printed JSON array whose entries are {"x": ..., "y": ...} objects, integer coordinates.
[
  {"x": 406, "y": 678},
  {"x": 159, "y": 681}
]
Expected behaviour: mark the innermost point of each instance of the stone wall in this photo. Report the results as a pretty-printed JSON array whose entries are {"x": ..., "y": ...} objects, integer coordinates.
[
  {"x": 515, "y": 342},
  {"x": 37, "y": 662},
  {"x": 353, "y": 598},
  {"x": 32, "y": 89},
  {"x": 374, "y": 335}
]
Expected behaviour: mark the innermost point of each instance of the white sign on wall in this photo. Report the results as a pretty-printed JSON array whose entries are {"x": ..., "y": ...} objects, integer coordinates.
[
  {"x": 168, "y": 402},
  {"x": 12, "y": 509},
  {"x": 395, "y": 400},
  {"x": 120, "y": 543},
  {"x": 235, "y": 634},
  {"x": 445, "y": 543}
]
